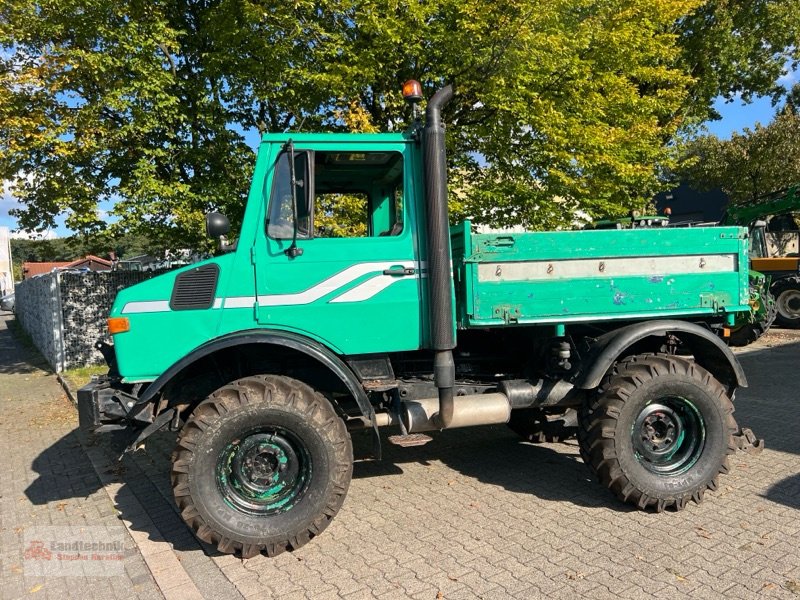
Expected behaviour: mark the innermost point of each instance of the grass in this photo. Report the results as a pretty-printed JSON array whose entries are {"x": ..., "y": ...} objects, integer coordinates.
[{"x": 80, "y": 376}]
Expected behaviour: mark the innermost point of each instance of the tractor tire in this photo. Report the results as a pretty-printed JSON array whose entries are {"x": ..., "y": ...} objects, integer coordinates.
[
  {"x": 787, "y": 300},
  {"x": 750, "y": 332},
  {"x": 538, "y": 427},
  {"x": 261, "y": 466},
  {"x": 659, "y": 432}
]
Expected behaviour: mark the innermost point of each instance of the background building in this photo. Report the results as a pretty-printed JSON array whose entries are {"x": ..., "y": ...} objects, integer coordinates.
[{"x": 6, "y": 273}]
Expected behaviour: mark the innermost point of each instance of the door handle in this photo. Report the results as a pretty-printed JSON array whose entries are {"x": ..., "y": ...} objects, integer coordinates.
[{"x": 399, "y": 271}]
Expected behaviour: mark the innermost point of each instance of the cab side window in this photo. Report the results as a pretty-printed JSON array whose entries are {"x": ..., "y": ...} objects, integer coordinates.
[
  {"x": 358, "y": 194},
  {"x": 338, "y": 195},
  {"x": 280, "y": 219}
]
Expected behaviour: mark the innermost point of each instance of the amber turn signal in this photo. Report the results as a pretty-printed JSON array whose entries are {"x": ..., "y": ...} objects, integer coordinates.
[{"x": 119, "y": 325}]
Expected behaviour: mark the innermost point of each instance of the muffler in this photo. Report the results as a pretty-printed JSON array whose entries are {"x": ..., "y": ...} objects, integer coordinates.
[
  {"x": 475, "y": 409},
  {"x": 487, "y": 409}
]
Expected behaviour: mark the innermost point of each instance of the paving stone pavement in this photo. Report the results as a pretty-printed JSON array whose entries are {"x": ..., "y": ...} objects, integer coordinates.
[
  {"x": 47, "y": 480},
  {"x": 474, "y": 514}
]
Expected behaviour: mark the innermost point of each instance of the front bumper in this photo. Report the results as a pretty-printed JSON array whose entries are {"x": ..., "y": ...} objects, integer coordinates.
[{"x": 104, "y": 407}]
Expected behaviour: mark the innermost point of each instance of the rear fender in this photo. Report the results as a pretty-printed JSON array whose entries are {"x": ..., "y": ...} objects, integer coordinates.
[{"x": 709, "y": 351}]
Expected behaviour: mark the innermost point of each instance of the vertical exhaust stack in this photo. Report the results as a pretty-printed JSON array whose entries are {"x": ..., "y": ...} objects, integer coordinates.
[{"x": 439, "y": 258}]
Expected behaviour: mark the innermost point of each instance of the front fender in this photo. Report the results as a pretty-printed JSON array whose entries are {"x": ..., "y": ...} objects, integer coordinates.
[{"x": 278, "y": 338}]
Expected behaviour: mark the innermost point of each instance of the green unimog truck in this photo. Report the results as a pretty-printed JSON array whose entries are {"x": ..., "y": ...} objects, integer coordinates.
[{"x": 265, "y": 357}]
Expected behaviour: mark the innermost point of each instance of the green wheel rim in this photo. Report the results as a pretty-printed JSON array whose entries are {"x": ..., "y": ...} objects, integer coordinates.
[
  {"x": 265, "y": 472},
  {"x": 668, "y": 436}
]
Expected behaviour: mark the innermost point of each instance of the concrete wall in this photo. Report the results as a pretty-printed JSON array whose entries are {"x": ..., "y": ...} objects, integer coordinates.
[{"x": 65, "y": 312}]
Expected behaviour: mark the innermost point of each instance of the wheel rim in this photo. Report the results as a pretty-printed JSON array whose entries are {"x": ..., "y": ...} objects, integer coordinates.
[
  {"x": 668, "y": 436},
  {"x": 265, "y": 472},
  {"x": 789, "y": 304}
]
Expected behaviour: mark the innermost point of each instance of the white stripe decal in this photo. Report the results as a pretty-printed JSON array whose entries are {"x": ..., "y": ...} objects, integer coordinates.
[
  {"x": 331, "y": 284},
  {"x": 653, "y": 266},
  {"x": 240, "y": 302},
  {"x": 361, "y": 292},
  {"x": 146, "y": 307},
  {"x": 369, "y": 288},
  {"x": 150, "y": 306}
]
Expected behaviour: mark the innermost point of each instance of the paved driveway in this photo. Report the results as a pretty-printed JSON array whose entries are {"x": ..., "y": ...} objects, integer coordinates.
[{"x": 474, "y": 514}]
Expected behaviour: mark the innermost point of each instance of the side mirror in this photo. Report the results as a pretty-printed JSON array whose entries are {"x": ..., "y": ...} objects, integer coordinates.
[{"x": 217, "y": 225}]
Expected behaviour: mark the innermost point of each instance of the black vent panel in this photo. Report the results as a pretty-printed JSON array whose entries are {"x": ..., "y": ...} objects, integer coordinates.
[{"x": 195, "y": 289}]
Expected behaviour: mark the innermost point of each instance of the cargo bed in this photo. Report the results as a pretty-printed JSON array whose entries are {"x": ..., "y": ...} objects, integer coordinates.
[{"x": 568, "y": 276}]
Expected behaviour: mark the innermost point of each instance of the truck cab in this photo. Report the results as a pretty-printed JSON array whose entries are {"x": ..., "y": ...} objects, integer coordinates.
[{"x": 354, "y": 288}]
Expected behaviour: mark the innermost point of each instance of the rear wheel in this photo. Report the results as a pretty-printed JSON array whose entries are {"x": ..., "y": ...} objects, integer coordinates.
[
  {"x": 659, "y": 432},
  {"x": 787, "y": 301},
  {"x": 261, "y": 466}
]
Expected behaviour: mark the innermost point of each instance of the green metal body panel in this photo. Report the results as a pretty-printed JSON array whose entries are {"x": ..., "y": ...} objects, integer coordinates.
[
  {"x": 578, "y": 276},
  {"x": 338, "y": 292}
]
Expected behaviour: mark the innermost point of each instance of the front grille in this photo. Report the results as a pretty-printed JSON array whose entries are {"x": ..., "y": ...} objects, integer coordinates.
[{"x": 195, "y": 289}]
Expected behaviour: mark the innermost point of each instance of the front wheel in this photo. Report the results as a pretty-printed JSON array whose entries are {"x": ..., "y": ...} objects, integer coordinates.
[
  {"x": 659, "y": 432},
  {"x": 261, "y": 466}
]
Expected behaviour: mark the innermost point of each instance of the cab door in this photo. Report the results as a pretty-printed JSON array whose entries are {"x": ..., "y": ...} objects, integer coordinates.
[{"x": 341, "y": 261}]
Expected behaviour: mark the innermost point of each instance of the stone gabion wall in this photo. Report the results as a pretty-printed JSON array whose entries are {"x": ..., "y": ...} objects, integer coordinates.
[
  {"x": 37, "y": 308},
  {"x": 86, "y": 300},
  {"x": 65, "y": 313}
]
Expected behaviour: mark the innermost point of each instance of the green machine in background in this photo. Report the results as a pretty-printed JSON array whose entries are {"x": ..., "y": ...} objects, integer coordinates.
[
  {"x": 266, "y": 356},
  {"x": 783, "y": 271}
]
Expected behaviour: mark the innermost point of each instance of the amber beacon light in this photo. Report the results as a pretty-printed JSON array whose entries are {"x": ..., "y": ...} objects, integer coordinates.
[
  {"x": 412, "y": 91},
  {"x": 118, "y": 325}
]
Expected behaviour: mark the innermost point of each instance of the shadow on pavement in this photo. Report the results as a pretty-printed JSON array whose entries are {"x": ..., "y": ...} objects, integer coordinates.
[
  {"x": 143, "y": 497},
  {"x": 17, "y": 354},
  {"x": 769, "y": 406},
  {"x": 496, "y": 456},
  {"x": 64, "y": 471},
  {"x": 786, "y": 491}
]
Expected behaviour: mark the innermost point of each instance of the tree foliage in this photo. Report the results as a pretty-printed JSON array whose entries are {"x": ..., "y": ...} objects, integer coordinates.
[
  {"x": 562, "y": 104},
  {"x": 72, "y": 248},
  {"x": 750, "y": 164},
  {"x": 738, "y": 49}
]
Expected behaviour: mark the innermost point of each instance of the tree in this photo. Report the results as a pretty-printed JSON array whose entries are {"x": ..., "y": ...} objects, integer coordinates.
[
  {"x": 752, "y": 163},
  {"x": 75, "y": 247},
  {"x": 562, "y": 104},
  {"x": 737, "y": 50}
]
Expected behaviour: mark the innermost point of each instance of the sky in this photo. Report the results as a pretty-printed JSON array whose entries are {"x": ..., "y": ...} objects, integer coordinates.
[{"x": 735, "y": 117}]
